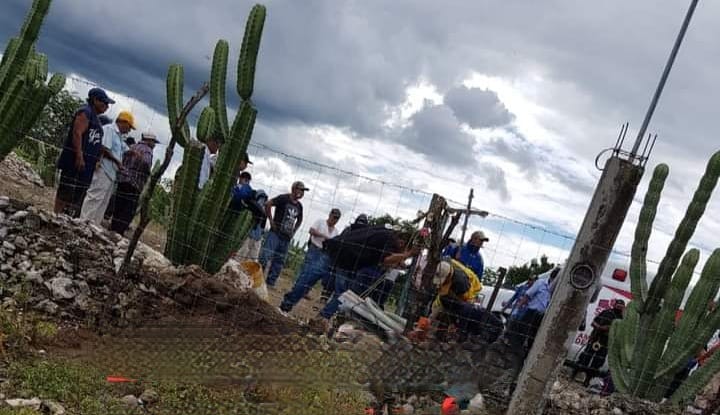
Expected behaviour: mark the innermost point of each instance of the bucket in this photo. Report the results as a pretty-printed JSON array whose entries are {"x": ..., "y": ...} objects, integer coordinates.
[{"x": 255, "y": 271}]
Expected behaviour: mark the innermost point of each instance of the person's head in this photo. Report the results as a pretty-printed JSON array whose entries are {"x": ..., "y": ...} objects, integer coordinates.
[
  {"x": 244, "y": 161},
  {"x": 125, "y": 122},
  {"x": 361, "y": 220},
  {"x": 477, "y": 239},
  {"x": 99, "y": 100},
  {"x": 452, "y": 242},
  {"x": 261, "y": 196},
  {"x": 532, "y": 280},
  {"x": 213, "y": 144},
  {"x": 442, "y": 273},
  {"x": 619, "y": 305},
  {"x": 297, "y": 190},
  {"x": 244, "y": 178},
  {"x": 150, "y": 139},
  {"x": 334, "y": 216}
]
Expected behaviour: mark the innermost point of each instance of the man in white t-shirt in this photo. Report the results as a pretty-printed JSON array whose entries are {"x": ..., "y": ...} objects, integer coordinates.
[
  {"x": 210, "y": 156},
  {"x": 315, "y": 267}
]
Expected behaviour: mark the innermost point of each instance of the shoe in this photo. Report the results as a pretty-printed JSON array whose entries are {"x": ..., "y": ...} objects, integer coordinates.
[
  {"x": 283, "y": 312},
  {"x": 319, "y": 325}
]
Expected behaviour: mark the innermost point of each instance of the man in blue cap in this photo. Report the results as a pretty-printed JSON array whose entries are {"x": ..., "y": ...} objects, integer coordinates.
[{"x": 80, "y": 153}]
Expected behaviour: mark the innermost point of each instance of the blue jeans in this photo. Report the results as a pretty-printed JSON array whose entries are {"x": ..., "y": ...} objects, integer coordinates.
[
  {"x": 343, "y": 280},
  {"x": 274, "y": 251},
  {"x": 314, "y": 269}
]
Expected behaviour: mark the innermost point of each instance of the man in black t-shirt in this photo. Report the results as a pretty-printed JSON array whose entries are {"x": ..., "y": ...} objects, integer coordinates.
[
  {"x": 356, "y": 250},
  {"x": 285, "y": 221},
  {"x": 595, "y": 352}
]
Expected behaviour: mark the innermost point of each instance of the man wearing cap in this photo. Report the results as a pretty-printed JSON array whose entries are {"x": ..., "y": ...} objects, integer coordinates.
[
  {"x": 315, "y": 267},
  {"x": 328, "y": 283},
  {"x": 469, "y": 255},
  {"x": 137, "y": 164},
  {"x": 284, "y": 223},
  {"x": 593, "y": 356},
  {"x": 80, "y": 153},
  {"x": 104, "y": 179},
  {"x": 521, "y": 333}
]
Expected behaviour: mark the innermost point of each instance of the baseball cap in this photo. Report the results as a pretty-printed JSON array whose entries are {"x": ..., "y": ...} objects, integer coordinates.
[
  {"x": 480, "y": 234},
  {"x": 127, "y": 117},
  {"x": 300, "y": 185},
  {"x": 335, "y": 212},
  {"x": 100, "y": 94}
]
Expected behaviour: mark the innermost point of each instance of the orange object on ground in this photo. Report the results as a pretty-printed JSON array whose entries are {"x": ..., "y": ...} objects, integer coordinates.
[
  {"x": 120, "y": 379},
  {"x": 450, "y": 406},
  {"x": 423, "y": 323}
]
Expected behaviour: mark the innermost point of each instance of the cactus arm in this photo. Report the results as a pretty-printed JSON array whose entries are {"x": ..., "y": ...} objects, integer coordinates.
[
  {"x": 184, "y": 193},
  {"x": 175, "y": 84},
  {"x": 206, "y": 124},
  {"x": 10, "y": 50},
  {"x": 218, "y": 77},
  {"x": 684, "y": 231},
  {"x": 629, "y": 325},
  {"x": 662, "y": 325},
  {"x": 249, "y": 51},
  {"x": 617, "y": 368},
  {"x": 694, "y": 384},
  {"x": 11, "y": 112},
  {"x": 15, "y": 63},
  {"x": 232, "y": 233},
  {"x": 43, "y": 67},
  {"x": 638, "y": 262}
]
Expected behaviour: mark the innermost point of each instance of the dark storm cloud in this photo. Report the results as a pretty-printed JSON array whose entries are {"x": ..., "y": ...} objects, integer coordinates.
[{"x": 478, "y": 108}]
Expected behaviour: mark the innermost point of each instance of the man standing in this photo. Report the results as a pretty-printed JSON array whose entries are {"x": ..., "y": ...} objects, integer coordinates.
[
  {"x": 328, "y": 282},
  {"x": 514, "y": 302},
  {"x": 355, "y": 250},
  {"x": 593, "y": 356},
  {"x": 209, "y": 159},
  {"x": 283, "y": 225},
  {"x": 469, "y": 255},
  {"x": 535, "y": 301},
  {"x": 137, "y": 164},
  {"x": 80, "y": 153},
  {"x": 251, "y": 246},
  {"x": 102, "y": 186},
  {"x": 315, "y": 266}
]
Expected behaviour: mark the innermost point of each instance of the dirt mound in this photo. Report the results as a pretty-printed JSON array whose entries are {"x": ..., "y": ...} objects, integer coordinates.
[{"x": 66, "y": 268}]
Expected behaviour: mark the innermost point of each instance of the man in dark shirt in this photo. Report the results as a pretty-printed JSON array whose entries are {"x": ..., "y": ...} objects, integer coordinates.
[
  {"x": 595, "y": 352},
  {"x": 80, "y": 153},
  {"x": 356, "y": 250},
  {"x": 328, "y": 283},
  {"x": 284, "y": 223}
]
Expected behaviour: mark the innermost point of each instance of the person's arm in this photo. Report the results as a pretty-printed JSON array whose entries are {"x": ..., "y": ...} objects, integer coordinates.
[
  {"x": 80, "y": 125},
  {"x": 316, "y": 233},
  {"x": 398, "y": 258},
  {"x": 299, "y": 220},
  {"x": 268, "y": 213}
]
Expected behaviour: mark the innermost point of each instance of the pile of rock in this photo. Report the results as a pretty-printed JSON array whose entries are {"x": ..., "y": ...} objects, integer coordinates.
[{"x": 15, "y": 168}]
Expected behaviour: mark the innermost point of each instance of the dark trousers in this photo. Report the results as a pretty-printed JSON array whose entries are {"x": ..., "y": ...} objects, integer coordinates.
[
  {"x": 524, "y": 330},
  {"x": 126, "y": 201},
  {"x": 591, "y": 360}
]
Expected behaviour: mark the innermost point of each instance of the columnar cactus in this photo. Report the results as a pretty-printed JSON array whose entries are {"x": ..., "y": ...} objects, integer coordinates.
[
  {"x": 23, "y": 91},
  {"x": 203, "y": 230},
  {"x": 647, "y": 347}
]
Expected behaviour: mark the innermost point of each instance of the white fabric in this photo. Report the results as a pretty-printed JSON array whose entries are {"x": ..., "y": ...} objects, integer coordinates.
[
  {"x": 204, "y": 169},
  {"x": 321, "y": 226},
  {"x": 97, "y": 197},
  {"x": 113, "y": 141}
]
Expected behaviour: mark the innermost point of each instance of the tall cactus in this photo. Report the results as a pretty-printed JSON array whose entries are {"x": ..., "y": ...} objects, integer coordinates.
[
  {"x": 203, "y": 230},
  {"x": 23, "y": 91},
  {"x": 648, "y": 348}
]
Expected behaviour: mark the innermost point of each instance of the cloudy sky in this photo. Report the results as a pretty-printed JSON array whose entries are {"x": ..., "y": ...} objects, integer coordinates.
[{"x": 513, "y": 99}]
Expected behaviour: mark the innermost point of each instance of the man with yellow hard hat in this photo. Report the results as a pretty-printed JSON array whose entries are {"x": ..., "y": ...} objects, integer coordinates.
[{"x": 104, "y": 178}]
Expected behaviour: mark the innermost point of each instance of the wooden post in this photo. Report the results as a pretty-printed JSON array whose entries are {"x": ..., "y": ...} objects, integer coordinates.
[
  {"x": 577, "y": 282},
  {"x": 467, "y": 218},
  {"x": 498, "y": 284},
  {"x": 422, "y": 295}
]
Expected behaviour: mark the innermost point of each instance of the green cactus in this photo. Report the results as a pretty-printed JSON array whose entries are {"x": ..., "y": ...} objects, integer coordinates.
[
  {"x": 249, "y": 52},
  {"x": 206, "y": 124},
  {"x": 648, "y": 348},
  {"x": 218, "y": 76},
  {"x": 22, "y": 81},
  {"x": 184, "y": 194},
  {"x": 175, "y": 85},
  {"x": 212, "y": 231}
]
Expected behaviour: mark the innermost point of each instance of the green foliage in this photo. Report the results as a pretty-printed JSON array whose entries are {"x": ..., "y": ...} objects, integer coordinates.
[
  {"x": 387, "y": 219},
  {"x": 518, "y": 274},
  {"x": 202, "y": 220},
  {"x": 48, "y": 135},
  {"x": 295, "y": 258},
  {"x": 161, "y": 203},
  {"x": 23, "y": 91},
  {"x": 648, "y": 348}
]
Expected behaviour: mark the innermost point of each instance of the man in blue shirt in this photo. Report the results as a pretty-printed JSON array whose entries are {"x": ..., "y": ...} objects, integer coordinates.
[
  {"x": 469, "y": 255},
  {"x": 521, "y": 333},
  {"x": 514, "y": 302}
]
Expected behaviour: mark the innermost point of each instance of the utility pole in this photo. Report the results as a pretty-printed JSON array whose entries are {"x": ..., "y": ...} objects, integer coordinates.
[
  {"x": 580, "y": 276},
  {"x": 467, "y": 217}
]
